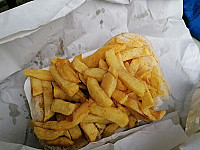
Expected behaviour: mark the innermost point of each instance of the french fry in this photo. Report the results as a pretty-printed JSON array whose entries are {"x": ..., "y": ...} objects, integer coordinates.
[
  {"x": 111, "y": 113},
  {"x": 78, "y": 65},
  {"x": 77, "y": 116},
  {"x": 110, "y": 130},
  {"x": 36, "y": 86},
  {"x": 138, "y": 116},
  {"x": 90, "y": 131},
  {"x": 93, "y": 60},
  {"x": 119, "y": 57},
  {"x": 119, "y": 96},
  {"x": 82, "y": 86},
  {"x": 100, "y": 126},
  {"x": 67, "y": 134},
  {"x": 124, "y": 109},
  {"x": 158, "y": 114},
  {"x": 147, "y": 100},
  {"x": 68, "y": 87},
  {"x": 134, "y": 53},
  {"x": 132, "y": 95},
  {"x": 131, "y": 82},
  {"x": 103, "y": 65},
  {"x": 39, "y": 74},
  {"x": 147, "y": 113},
  {"x": 94, "y": 118},
  {"x": 133, "y": 104},
  {"x": 54, "y": 60},
  {"x": 95, "y": 73},
  {"x": 113, "y": 71},
  {"x": 61, "y": 141},
  {"x": 59, "y": 94},
  {"x": 66, "y": 71},
  {"x": 120, "y": 86},
  {"x": 97, "y": 93},
  {"x": 48, "y": 98},
  {"x": 108, "y": 84},
  {"x": 75, "y": 132},
  {"x": 63, "y": 107},
  {"x": 60, "y": 117},
  {"x": 45, "y": 134},
  {"x": 134, "y": 66},
  {"x": 82, "y": 79},
  {"x": 132, "y": 121}
]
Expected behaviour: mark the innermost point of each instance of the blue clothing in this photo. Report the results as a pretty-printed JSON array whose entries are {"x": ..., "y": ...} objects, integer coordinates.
[{"x": 192, "y": 17}]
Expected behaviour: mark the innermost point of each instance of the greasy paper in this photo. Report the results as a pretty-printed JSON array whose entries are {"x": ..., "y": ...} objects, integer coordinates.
[{"x": 87, "y": 28}]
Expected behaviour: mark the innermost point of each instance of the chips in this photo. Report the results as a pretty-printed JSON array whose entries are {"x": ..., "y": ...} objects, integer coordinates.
[{"x": 115, "y": 87}]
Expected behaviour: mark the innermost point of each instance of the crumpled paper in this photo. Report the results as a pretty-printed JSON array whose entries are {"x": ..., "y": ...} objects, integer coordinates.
[{"x": 87, "y": 28}]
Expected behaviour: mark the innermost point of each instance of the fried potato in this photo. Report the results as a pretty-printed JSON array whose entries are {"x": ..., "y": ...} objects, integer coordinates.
[
  {"x": 108, "y": 84},
  {"x": 147, "y": 100},
  {"x": 100, "y": 126},
  {"x": 45, "y": 134},
  {"x": 39, "y": 74},
  {"x": 124, "y": 109},
  {"x": 113, "y": 71},
  {"x": 75, "y": 132},
  {"x": 36, "y": 86},
  {"x": 103, "y": 65},
  {"x": 134, "y": 66},
  {"x": 95, "y": 73},
  {"x": 66, "y": 71},
  {"x": 54, "y": 60},
  {"x": 60, "y": 117},
  {"x": 134, "y": 53},
  {"x": 68, "y": 87},
  {"x": 127, "y": 66},
  {"x": 131, "y": 82},
  {"x": 78, "y": 65},
  {"x": 132, "y": 121},
  {"x": 90, "y": 131},
  {"x": 48, "y": 98},
  {"x": 82, "y": 86},
  {"x": 97, "y": 93},
  {"x": 147, "y": 112},
  {"x": 158, "y": 114},
  {"x": 119, "y": 96},
  {"x": 59, "y": 94},
  {"x": 120, "y": 86},
  {"x": 138, "y": 116},
  {"x": 82, "y": 79},
  {"x": 94, "y": 118},
  {"x": 110, "y": 130},
  {"x": 119, "y": 57},
  {"x": 67, "y": 134},
  {"x": 132, "y": 95},
  {"x": 92, "y": 61},
  {"x": 61, "y": 141},
  {"x": 133, "y": 104},
  {"x": 111, "y": 113},
  {"x": 63, "y": 107},
  {"x": 77, "y": 116}
]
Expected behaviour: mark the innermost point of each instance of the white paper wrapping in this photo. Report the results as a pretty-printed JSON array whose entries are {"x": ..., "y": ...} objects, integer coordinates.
[{"x": 86, "y": 28}]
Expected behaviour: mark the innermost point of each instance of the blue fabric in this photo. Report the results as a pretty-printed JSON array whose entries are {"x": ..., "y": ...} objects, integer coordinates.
[{"x": 192, "y": 16}]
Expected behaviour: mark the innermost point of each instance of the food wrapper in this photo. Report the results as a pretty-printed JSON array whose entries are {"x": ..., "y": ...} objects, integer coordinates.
[{"x": 87, "y": 27}]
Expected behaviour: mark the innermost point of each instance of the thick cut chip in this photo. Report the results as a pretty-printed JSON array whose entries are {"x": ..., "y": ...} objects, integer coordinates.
[
  {"x": 78, "y": 65},
  {"x": 120, "y": 86},
  {"x": 68, "y": 87},
  {"x": 158, "y": 114},
  {"x": 124, "y": 109},
  {"x": 96, "y": 73},
  {"x": 66, "y": 71},
  {"x": 132, "y": 121},
  {"x": 63, "y": 107},
  {"x": 94, "y": 118},
  {"x": 132, "y": 95},
  {"x": 119, "y": 96},
  {"x": 61, "y": 141},
  {"x": 127, "y": 79},
  {"x": 37, "y": 108},
  {"x": 90, "y": 131},
  {"x": 59, "y": 94},
  {"x": 93, "y": 60},
  {"x": 75, "y": 132},
  {"x": 138, "y": 116},
  {"x": 134, "y": 66},
  {"x": 113, "y": 71},
  {"x": 134, "y": 53},
  {"x": 48, "y": 99},
  {"x": 147, "y": 100},
  {"x": 77, "y": 116},
  {"x": 67, "y": 134},
  {"x": 103, "y": 65},
  {"x": 108, "y": 84},
  {"x": 133, "y": 104},
  {"x": 97, "y": 93},
  {"x": 36, "y": 86},
  {"x": 100, "y": 126},
  {"x": 82, "y": 79},
  {"x": 39, "y": 74},
  {"x": 147, "y": 112},
  {"x": 60, "y": 117},
  {"x": 54, "y": 60},
  {"x": 111, "y": 113},
  {"x": 119, "y": 57},
  {"x": 45, "y": 134},
  {"x": 110, "y": 130}
]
